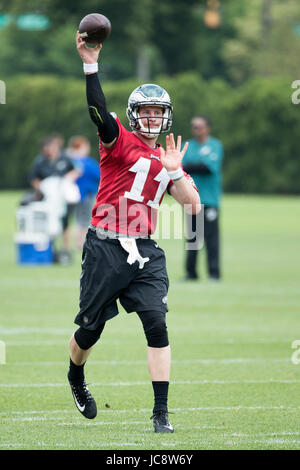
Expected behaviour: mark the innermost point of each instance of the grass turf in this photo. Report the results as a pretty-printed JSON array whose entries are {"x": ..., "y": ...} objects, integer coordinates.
[{"x": 233, "y": 384}]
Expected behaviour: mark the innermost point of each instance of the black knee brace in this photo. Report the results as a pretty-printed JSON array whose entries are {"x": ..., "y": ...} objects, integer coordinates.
[
  {"x": 87, "y": 338},
  {"x": 155, "y": 328}
]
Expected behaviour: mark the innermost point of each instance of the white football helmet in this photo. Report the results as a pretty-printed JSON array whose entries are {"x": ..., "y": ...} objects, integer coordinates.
[{"x": 149, "y": 95}]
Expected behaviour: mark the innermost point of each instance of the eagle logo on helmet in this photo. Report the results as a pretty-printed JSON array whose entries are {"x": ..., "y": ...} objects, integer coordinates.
[{"x": 149, "y": 94}]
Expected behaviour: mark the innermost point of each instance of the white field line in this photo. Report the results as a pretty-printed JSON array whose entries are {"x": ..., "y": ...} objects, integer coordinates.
[
  {"x": 21, "y": 331},
  {"x": 236, "y": 408},
  {"x": 174, "y": 361},
  {"x": 263, "y": 434},
  {"x": 215, "y": 428},
  {"x": 178, "y": 444},
  {"x": 33, "y": 343},
  {"x": 259, "y": 289},
  {"x": 109, "y": 444},
  {"x": 176, "y": 382},
  {"x": 173, "y": 325},
  {"x": 181, "y": 341},
  {"x": 95, "y": 445},
  {"x": 64, "y": 342},
  {"x": 91, "y": 444},
  {"x": 128, "y": 423},
  {"x": 276, "y": 441},
  {"x": 31, "y": 330},
  {"x": 10, "y": 444},
  {"x": 102, "y": 423},
  {"x": 9, "y": 333},
  {"x": 79, "y": 423},
  {"x": 60, "y": 419},
  {"x": 35, "y": 283},
  {"x": 205, "y": 286}
]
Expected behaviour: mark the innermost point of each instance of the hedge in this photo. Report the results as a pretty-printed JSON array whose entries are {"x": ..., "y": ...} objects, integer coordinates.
[{"x": 257, "y": 123}]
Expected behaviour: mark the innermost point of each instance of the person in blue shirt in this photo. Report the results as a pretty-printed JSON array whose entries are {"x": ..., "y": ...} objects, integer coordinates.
[
  {"x": 203, "y": 161},
  {"x": 88, "y": 182}
]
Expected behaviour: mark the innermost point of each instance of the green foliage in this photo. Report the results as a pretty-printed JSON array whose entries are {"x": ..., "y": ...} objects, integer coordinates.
[
  {"x": 257, "y": 123},
  {"x": 265, "y": 43},
  {"x": 254, "y": 38},
  {"x": 261, "y": 135},
  {"x": 171, "y": 35}
]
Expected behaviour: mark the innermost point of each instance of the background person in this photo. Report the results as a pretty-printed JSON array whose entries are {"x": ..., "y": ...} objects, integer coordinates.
[
  {"x": 53, "y": 162},
  {"x": 88, "y": 181},
  {"x": 203, "y": 161}
]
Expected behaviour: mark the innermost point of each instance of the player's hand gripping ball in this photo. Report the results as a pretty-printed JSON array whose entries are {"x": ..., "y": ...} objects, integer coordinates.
[{"x": 94, "y": 28}]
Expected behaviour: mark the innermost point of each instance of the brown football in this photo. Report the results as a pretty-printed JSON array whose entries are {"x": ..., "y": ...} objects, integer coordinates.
[{"x": 94, "y": 28}]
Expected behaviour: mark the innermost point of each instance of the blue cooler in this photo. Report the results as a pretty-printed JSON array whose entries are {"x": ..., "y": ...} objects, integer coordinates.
[{"x": 34, "y": 248}]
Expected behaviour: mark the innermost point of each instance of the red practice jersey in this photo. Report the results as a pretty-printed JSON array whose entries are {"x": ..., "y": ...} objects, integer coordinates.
[{"x": 132, "y": 185}]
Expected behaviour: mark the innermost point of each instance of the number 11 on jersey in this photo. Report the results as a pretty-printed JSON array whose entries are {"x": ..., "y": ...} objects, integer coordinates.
[{"x": 141, "y": 168}]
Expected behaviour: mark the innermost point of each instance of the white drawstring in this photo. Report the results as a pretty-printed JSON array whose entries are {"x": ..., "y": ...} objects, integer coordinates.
[{"x": 129, "y": 245}]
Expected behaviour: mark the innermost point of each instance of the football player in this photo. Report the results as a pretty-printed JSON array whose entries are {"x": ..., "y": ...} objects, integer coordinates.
[{"x": 119, "y": 259}]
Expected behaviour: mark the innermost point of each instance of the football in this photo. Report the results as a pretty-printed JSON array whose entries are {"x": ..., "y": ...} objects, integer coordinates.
[{"x": 94, "y": 28}]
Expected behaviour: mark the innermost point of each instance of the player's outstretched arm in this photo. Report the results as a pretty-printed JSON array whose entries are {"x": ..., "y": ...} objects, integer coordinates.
[
  {"x": 182, "y": 190},
  {"x": 107, "y": 126}
]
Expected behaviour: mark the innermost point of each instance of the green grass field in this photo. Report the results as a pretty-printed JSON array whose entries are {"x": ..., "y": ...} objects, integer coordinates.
[{"x": 233, "y": 384}]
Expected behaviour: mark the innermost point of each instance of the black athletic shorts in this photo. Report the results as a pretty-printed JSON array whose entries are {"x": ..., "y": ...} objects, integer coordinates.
[{"x": 106, "y": 276}]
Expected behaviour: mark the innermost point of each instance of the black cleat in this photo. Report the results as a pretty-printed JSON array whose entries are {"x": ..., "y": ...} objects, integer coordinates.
[
  {"x": 84, "y": 400},
  {"x": 161, "y": 422}
]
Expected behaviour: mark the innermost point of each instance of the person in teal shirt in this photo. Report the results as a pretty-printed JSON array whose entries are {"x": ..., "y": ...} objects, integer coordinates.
[{"x": 203, "y": 161}]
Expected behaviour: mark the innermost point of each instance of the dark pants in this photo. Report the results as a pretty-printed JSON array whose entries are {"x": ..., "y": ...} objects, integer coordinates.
[{"x": 211, "y": 242}]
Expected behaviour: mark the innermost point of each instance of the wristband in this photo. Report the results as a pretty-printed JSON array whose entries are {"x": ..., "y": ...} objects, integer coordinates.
[
  {"x": 90, "y": 68},
  {"x": 176, "y": 174}
]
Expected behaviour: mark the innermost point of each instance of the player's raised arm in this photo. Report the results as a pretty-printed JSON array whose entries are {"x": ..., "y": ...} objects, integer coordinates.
[{"x": 107, "y": 125}]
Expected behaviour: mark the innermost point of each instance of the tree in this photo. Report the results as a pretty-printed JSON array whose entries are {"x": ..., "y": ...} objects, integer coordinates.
[
  {"x": 148, "y": 37},
  {"x": 265, "y": 44},
  {"x": 45, "y": 50}
]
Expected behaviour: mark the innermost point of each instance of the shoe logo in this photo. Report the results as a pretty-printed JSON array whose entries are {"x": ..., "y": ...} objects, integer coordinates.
[{"x": 81, "y": 408}]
